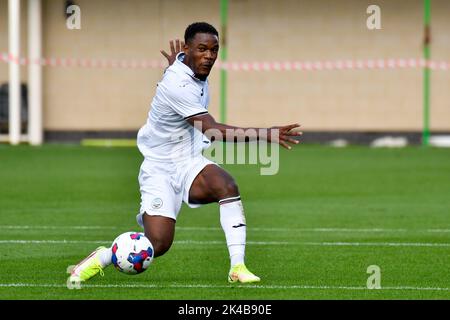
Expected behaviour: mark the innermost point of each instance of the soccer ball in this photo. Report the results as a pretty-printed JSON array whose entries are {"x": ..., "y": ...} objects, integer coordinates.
[{"x": 132, "y": 253}]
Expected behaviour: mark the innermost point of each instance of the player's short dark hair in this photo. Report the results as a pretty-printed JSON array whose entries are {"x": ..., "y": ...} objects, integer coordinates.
[{"x": 198, "y": 27}]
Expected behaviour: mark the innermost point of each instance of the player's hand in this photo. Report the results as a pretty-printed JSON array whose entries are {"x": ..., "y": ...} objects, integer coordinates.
[
  {"x": 286, "y": 135},
  {"x": 175, "y": 48}
]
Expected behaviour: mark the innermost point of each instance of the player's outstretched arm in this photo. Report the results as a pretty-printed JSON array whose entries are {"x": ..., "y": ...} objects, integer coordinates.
[
  {"x": 174, "y": 50},
  {"x": 282, "y": 135},
  {"x": 285, "y": 134}
]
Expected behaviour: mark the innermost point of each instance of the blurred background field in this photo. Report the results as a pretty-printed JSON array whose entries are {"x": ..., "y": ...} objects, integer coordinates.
[
  {"x": 313, "y": 229},
  {"x": 98, "y": 81}
]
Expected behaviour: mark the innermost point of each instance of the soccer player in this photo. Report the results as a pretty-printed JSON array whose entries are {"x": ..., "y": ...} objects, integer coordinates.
[{"x": 174, "y": 170}]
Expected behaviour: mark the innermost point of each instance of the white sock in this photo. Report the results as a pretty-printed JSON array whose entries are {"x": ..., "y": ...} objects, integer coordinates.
[
  {"x": 232, "y": 220},
  {"x": 105, "y": 257}
]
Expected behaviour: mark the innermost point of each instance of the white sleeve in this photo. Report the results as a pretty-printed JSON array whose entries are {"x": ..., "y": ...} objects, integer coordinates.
[{"x": 185, "y": 100}]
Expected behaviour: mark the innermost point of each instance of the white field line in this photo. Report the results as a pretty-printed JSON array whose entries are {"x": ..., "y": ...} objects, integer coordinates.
[
  {"x": 275, "y": 243},
  {"x": 58, "y": 227},
  {"x": 52, "y": 241},
  {"x": 357, "y": 244},
  {"x": 268, "y": 229},
  {"x": 184, "y": 286}
]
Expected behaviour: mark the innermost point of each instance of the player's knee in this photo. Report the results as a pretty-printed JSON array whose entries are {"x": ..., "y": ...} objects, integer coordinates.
[
  {"x": 160, "y": 244},
  {"x": 161, "y": 248},
  {"x": 230, "y": 189}
]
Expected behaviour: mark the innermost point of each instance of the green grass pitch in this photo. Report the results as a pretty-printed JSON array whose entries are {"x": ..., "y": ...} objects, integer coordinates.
[{"x": 313, "y": 229}]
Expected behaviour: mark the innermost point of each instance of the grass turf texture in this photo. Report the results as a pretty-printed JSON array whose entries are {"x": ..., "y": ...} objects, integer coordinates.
[{"x": 301, "y": 223}]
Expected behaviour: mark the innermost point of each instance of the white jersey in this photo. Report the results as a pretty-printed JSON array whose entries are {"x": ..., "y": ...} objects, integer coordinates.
[{"x": 167, "y": 136}]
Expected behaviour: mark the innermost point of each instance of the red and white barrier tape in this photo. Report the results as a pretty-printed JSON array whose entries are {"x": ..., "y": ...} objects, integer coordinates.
[
  {"x": 335, "y": 65},
  {"x": 86, "y": 63},
  {"x": 238, "y": 66}
]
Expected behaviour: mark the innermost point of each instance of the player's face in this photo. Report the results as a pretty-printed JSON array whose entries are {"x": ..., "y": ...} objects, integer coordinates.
[{"x": 201, "y": 53}]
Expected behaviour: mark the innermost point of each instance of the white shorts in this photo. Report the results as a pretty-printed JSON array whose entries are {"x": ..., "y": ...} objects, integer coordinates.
[{"x": 164, "y": 186}]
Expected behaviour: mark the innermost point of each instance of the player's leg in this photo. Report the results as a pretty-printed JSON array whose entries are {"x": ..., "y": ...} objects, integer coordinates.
[
  {"x": 160, "y": 231},
  {"x": 214, "y": 184},
  {"x": 159, "y": 201},
  {"x": 160, "y": 204}
]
